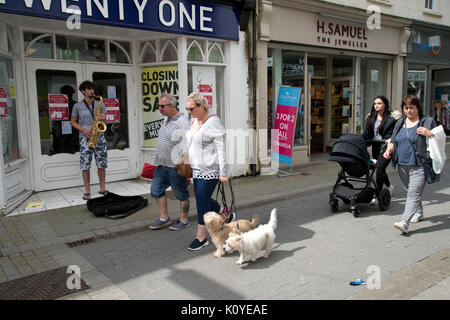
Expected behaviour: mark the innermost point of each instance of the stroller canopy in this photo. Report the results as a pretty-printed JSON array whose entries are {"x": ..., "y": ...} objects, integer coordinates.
[{"x": 351, "y": 150}]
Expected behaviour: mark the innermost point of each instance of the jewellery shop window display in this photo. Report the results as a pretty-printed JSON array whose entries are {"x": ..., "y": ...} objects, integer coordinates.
[
  {"x": 8, "y": 114},
  {"x": 207, "y": 76},
  {"x": 286, "y": 68}
]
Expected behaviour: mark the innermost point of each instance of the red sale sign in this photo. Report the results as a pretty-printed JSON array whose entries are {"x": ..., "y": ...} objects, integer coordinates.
[
  {"x": 285, "y": 123},
  {"x": 112, "y": 110},
  {"x": 3, "y": 103},
  {"x": 206, "y": 90},
  {"x": 58, "y": 107}
]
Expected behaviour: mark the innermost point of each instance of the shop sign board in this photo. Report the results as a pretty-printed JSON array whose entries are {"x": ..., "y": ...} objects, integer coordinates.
[
  {"x": 58, "y": 107},
  {"x": 155, "y": 81},
  {"x": 285, "y": 120},
  {"x": 176, "y": 16},
  {"x": 3, "y": 103},
  {"x": 112, "y": 110}
]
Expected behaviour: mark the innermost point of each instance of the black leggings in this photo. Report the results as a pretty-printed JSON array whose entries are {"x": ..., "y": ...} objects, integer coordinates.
[{"x": 381, "y": 177}]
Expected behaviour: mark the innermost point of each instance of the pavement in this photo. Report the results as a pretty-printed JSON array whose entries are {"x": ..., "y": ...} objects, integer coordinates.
[{"x": 41, "y": 241}]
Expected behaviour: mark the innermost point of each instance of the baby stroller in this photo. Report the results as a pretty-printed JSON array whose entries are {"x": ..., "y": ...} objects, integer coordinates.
[{"x": 350, "y": 151}]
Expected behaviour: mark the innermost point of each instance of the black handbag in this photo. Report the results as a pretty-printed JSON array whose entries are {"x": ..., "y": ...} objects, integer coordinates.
[
  {"x": 430, "y": 175},
  {"x": 114, "y": 206}
]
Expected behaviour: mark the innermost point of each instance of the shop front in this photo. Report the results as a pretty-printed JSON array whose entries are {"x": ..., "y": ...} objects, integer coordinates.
[
  {"x": 427, "y": 70},
  {"x": 132, "y": 52},
  {"x": 337, "y": 61}
]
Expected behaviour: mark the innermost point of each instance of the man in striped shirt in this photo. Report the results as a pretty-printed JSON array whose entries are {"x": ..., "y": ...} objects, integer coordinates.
[{"x": 168, "y": 148}]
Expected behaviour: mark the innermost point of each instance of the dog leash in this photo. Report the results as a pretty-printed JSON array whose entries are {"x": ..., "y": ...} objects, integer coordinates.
[{"x": 232, "y": 208}]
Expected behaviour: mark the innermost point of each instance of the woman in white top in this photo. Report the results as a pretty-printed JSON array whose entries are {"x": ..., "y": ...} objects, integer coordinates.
[{"x": 207, "y": 156}]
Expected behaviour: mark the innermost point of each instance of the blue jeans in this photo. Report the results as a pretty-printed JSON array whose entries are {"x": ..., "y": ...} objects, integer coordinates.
[
  {"x": 203, "y": 190},
  {"x": 163, "y": 177}
]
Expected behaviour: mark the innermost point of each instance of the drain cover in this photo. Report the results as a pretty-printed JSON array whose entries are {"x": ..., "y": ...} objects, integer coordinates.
[{"x": 46, "y": 285}]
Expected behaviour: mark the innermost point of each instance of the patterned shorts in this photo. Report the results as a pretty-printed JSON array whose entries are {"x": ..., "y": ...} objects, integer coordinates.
[{"x": 100, "y": 153}]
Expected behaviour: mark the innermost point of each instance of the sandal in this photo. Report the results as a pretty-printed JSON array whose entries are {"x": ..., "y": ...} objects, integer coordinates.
[
  {"x": 103, "y": 193},
  {"x": 86, "y": 196}
]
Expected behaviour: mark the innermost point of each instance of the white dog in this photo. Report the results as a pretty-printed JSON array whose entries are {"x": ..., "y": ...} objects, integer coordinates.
[{"x": 249, "y": 243}]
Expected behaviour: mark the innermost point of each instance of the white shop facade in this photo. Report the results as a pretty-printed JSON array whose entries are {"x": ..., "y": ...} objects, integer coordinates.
[{"x": 133, "y": 51}]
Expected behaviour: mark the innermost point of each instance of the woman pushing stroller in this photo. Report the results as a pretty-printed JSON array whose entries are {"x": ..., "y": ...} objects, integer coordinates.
[{"x": 379, "y": 127}]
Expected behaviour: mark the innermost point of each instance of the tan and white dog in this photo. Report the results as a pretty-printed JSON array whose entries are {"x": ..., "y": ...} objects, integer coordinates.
[
  {"x": 219, "y": 230},
  {"x": 250, "y": 243}
]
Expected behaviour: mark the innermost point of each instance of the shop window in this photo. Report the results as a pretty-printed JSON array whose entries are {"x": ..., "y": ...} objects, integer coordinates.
[
  {"x": 373, "y": 82},
  {"x": 208, "y": 81},
  {"x": 8, "y": 114},
  {"x": 119, "y": 52},
  {"x": 168, "y": 51},
  {"x": 216, "y": 53},
  {"x": 195, "y": 52},
  {"x": 342, "y": 66},
  {"x": 148, "y": 52},
  {"x": 80, "y": 49},
  {"x": 285, "y": 68},
  {"x": 57, "y": 136},
  {"x": 113, "y": 86},
  {"x": 38, "y": 45}
]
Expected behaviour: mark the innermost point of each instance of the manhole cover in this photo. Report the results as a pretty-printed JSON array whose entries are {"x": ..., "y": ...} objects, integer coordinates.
[{"x": 46, "y": 285}]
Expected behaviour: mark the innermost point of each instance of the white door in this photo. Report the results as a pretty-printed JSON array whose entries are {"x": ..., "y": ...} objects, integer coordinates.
[
  {"x": 116, "y": 83},
  {"x": 55, "y": 147}
]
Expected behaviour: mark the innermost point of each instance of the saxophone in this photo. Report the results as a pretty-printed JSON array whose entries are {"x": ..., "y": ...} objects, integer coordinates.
[{"x": 97, "y": 126}]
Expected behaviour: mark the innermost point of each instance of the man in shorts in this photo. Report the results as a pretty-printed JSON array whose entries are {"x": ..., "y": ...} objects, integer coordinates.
[
  {"x": 82, "y": 117},
  {"x": 168, "y": 148}
]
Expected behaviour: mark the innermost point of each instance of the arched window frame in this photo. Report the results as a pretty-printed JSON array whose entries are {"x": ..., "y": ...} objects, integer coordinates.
[
  {"x": 211, "y": 47},
  {"x": 32, "y": 42},
  {"x": 197, "y": 44},
  {"x": 148, "y": 44},
  {"x": 168, "y": 43},
  {"x": 118, "y": 45}
]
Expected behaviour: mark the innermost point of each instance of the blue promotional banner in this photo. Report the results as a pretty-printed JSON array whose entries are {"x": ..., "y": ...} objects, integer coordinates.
[
  {"x": 284, "y": 126},
  {"x": 176, "y": 16}
]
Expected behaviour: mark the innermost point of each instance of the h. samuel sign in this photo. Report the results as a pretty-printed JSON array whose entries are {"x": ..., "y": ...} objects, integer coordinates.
[{"x": 177, "y": 16}]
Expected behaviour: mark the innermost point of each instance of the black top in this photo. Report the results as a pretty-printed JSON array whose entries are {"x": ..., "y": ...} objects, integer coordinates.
[{"x": 385, "y": 133}]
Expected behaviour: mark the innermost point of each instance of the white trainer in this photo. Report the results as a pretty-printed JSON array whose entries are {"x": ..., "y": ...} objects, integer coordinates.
[
  {"x": 417, "y": 218},
  {"x": 402, "y": 226}
]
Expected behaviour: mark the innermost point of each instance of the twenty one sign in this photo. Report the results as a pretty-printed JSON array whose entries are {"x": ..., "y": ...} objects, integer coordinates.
[{"x": 177, "y": 16}]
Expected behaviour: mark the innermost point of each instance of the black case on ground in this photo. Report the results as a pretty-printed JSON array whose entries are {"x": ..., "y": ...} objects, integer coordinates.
[{"x": 114, "y": 206}]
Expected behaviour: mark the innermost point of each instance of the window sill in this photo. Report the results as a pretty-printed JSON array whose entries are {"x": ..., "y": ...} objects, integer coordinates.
[
  {"x": 432, "y": 13},
  {"x": 385, "y": 2}
]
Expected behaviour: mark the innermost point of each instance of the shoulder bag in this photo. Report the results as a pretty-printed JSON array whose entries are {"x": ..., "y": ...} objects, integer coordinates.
[{"x": 427, "y": 163}]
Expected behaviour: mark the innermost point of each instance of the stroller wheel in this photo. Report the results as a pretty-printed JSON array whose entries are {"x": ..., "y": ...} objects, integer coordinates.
[
  {"x": 356, "y": 212},
  {"x": 334, "y": 206},
  {"x": 384, "y": 199}
]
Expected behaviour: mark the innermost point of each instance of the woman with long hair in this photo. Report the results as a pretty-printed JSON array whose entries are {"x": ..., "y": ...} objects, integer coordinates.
[{"x": 379, "y": 127}]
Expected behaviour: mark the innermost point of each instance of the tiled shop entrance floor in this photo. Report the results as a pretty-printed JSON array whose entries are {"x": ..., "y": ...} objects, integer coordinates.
[{"x": 62, "y": 198}]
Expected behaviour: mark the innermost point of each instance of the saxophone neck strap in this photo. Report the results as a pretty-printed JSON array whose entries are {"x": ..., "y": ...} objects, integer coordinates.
[{"x": 91, "y": 110}]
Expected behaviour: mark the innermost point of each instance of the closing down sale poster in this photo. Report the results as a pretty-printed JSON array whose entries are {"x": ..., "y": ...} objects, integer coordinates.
[{"x": 155, "y": 81}]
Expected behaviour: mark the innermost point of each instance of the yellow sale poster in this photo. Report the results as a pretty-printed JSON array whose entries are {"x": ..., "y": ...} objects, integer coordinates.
[{"x": 155, "y": 81}]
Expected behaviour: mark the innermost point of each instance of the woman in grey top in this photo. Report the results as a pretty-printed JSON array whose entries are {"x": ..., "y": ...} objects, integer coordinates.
[{"x": 408, "y": 147}]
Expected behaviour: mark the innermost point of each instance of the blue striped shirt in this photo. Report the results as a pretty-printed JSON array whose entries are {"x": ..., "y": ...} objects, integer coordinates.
[{"x": 170, "y": 140}]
